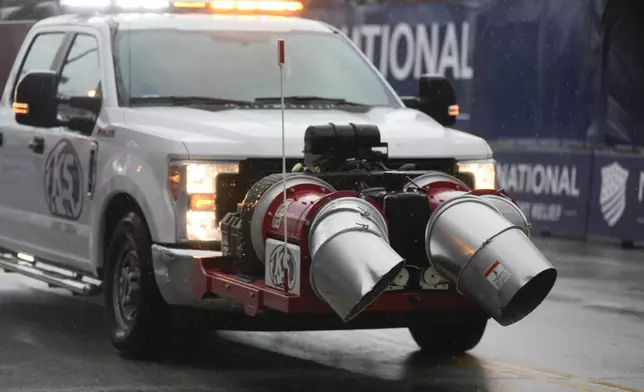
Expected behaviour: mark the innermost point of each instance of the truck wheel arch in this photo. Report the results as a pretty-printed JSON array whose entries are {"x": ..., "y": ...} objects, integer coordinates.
[
  {"x": 116, "y": 207},
  {"x": 119, "y": 192},
  {"x": 110, "y": 212}
]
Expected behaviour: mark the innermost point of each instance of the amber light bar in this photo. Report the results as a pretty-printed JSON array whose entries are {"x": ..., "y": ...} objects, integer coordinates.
[
  {"x": 243, "y": 5},
  {"x": 189, "y": 4}
]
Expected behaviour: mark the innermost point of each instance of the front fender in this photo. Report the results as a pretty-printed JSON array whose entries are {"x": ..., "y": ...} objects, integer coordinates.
[{"x": 138, "y": 180}]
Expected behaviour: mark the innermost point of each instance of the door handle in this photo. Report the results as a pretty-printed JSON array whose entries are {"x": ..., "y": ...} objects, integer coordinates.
[
  {"x": 37, "y": 145},
  {"x": 91, "y": 181},
  {"x": 1, "y": 139}
]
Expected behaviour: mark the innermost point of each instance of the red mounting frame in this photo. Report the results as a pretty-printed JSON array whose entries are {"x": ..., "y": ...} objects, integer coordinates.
[
  {"x": 306, "y": 201},
  {"x": 256, "y": 295}
]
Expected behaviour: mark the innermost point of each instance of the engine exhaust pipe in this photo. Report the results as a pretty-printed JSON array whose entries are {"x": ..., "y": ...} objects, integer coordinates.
[
  {"x": 352, "y": 262},
  {"x": 490, "y": 258}
]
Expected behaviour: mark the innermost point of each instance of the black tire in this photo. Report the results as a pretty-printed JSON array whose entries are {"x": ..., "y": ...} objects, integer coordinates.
[
  {"x": 450, "y": 339},
  {"x": 138, "y": 316}
]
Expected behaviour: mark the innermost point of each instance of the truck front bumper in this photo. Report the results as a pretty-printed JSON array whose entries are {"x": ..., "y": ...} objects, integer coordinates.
[
  {"x": 186, "y": 277},
  {"x": 179, "y": 274}
]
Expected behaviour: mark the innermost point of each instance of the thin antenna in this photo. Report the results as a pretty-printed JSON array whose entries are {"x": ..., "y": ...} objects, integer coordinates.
[{"x": 281, "y": 57}]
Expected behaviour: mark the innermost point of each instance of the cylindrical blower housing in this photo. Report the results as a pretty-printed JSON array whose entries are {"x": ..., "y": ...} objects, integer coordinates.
[
  {"x": 345, "y": 237},
  {"x": 479, "y": 240}
]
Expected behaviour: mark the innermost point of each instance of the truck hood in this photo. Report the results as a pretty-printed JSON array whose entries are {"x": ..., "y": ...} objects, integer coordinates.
[{"x": 248, "y": 133}]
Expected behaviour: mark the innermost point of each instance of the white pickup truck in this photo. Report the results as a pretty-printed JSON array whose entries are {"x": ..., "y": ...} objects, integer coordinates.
[{"x": 128, "y": 142}]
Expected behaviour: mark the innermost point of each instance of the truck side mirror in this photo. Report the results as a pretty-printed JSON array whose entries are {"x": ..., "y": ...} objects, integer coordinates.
[
  {"x": 35, "y": 101},
  {"x": 436, "y": 98}
]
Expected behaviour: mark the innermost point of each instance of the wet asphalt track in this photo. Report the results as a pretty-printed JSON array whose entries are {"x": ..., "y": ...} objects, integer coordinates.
[{"x": 588, "y": 336}]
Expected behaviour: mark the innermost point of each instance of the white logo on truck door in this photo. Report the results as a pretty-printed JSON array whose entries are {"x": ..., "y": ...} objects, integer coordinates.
[{"x": 64, "y": 181}]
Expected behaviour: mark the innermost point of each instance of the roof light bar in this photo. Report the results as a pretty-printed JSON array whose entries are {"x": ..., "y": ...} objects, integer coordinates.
[
  {"x": 86, "y": 3},
  {"x": 243, "y": 5},
  {"x": 118, "y": 4},
  {"x": 190, "y": 4},
  {"x": 280, "y": 6},
  {"x": 142, "y": 4}
]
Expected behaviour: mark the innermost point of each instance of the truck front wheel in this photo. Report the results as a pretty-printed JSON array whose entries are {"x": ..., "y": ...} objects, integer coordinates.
[
  {"x": 450, "y": 339},
  {"x": 137, "y": 314}
]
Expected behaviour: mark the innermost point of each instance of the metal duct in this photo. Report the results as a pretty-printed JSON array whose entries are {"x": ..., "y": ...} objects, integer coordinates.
[
  {"x": 489, "y": 258},
  {"x": 267, "y": 196},
  {"x": 433, "y": 177},
  {"x": 352, "y": 262},
  {"x": 510, "y": 211}
]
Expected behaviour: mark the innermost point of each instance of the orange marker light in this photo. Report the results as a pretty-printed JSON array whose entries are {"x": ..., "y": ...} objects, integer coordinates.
[
  {"x": 204, "y": 202},
  {"x": 454, "y": 110},
  {"x": 174, "y": 180},
  {"x": 20, "y": 108}
]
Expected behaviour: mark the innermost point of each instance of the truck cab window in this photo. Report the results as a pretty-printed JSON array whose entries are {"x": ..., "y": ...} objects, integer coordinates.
[
  {"x": 41, "y": 53},
  {"x": 81, "y": 73}
]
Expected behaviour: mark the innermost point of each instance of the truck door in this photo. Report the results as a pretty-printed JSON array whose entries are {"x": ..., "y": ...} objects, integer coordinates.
[
  {"x": 64, "y": 162},
  {"x": 19, "y": 192}
]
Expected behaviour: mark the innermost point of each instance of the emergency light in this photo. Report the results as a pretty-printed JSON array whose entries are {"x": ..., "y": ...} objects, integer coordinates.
[
  {"x": 100, "y": 5},
  {"x": 215, "y": 6}
]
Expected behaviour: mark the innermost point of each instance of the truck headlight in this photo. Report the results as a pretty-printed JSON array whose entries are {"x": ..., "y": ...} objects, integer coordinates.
[
  {"x": 484, "y": 172},
  {"x": 192, "y": 185}
]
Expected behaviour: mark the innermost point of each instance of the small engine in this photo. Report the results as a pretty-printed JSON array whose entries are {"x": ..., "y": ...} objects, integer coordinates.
[{"x": 354, "y": 227}]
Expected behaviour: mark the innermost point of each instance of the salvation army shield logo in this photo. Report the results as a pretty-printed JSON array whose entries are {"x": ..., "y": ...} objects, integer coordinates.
[
  {"x": 612, "y": 195},
  {"x": 64, "y": 181}
]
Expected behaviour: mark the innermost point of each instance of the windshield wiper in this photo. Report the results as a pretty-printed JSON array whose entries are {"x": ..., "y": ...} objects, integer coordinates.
[
  {"x": 307, "y": 99},
  {"x": 186, "y": 100}
]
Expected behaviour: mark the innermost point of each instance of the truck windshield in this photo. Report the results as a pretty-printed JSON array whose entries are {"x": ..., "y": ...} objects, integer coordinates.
[{"x": 242, "y": 67}]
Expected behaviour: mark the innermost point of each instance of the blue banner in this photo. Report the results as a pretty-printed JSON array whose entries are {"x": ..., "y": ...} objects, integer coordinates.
[
  {"x": 617, "y": 202},
  {"x": 552, "y": 188},
  {"x": 405, "y": 41},
  {"x": 521, "y": 68}
]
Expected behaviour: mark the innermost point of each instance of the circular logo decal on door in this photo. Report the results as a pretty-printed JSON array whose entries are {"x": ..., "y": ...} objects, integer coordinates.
[{"x": 64, "y": 181}]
